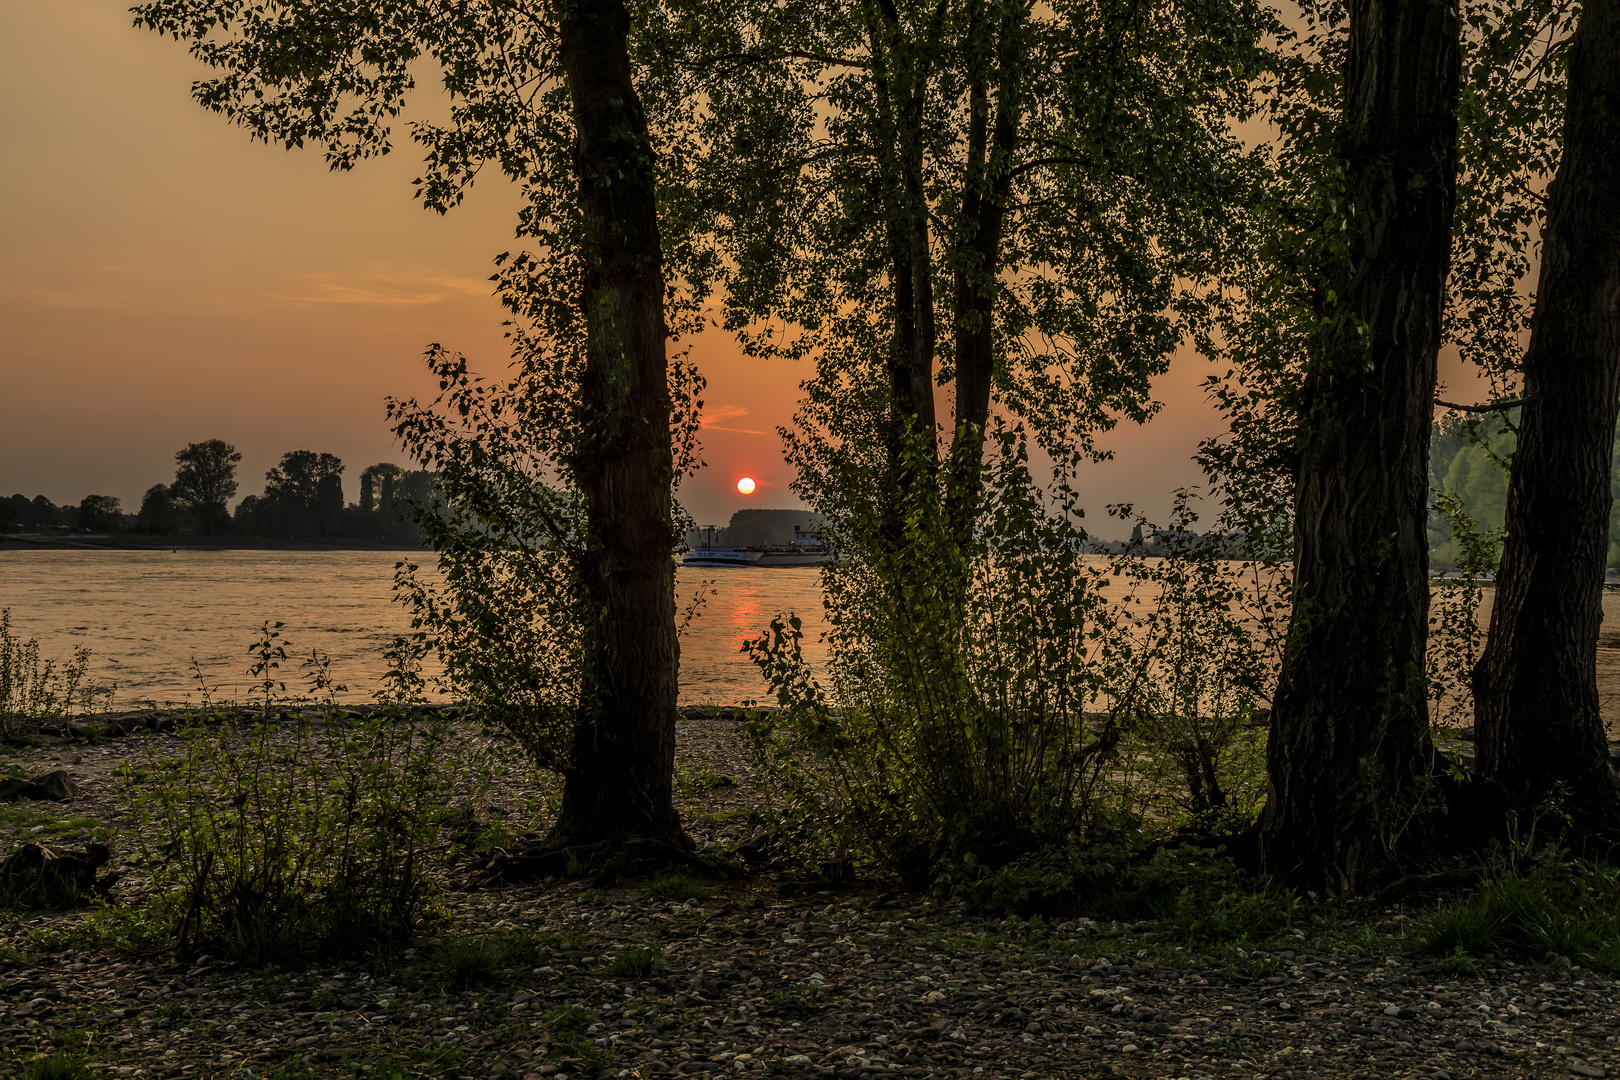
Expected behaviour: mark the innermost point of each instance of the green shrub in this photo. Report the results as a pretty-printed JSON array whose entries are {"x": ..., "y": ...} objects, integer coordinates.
[
  {"x": 34, "y": 689},
  {"x": 288, "y": 838},
  {"x": 972, "y": 698}
]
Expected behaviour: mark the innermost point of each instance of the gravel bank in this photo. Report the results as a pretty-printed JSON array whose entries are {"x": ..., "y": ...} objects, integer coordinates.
[{"x": 768, "y": 976}]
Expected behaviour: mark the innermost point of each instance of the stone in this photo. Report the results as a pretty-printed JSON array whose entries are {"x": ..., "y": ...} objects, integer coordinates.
[
  {"x": 40, "y": 876},
  {"x": 55, "y": 786}
]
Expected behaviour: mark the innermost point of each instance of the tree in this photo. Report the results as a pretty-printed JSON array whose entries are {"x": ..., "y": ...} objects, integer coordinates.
[
  {"x": 546, "y": 94},
  {"x": 301, "y": 489},
  {"x": 1349, "y": 751},
  {"x": 157, "y": 510},
  {"x": 377, "y": 486},
  {"x": 205, "y": 480},
  {"x": 1540, "y": 729},
  {"x": 100, "y": 513},
  {"x": 1016, "y": 200}
]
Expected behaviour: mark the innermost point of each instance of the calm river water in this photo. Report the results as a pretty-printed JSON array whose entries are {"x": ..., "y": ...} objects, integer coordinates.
[{"x": 147, "y": 615}]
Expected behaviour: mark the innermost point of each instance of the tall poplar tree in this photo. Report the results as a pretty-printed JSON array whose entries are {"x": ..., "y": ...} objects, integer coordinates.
[
  {"x": 543, "y": 93},
  {"x": 1540, "y": 729},
  {"x": 1349, "y": 749}
]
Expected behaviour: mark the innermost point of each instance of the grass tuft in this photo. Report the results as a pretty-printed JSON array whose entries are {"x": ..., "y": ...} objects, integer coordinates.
[
  {"x": 637, "y": 964},
  {"x": 677, "y": 887},
  {"x": 58, "y": 1066}
]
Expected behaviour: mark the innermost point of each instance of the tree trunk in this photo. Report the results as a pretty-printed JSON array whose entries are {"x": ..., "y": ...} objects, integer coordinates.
[
  {"x": 1349, "y": 751},
  {"x": 986, "y": 185},
  {"x": 1536, "y": 699},
  {"x": 618, "y": 785}
]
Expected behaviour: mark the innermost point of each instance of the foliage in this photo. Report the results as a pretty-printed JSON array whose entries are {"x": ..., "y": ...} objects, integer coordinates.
[
  {"x": 285, "y": 837},
  {"x": 957, "y": 716},
  {"x": 1207, "y": 633},
  {"x": 32, "y": 689},
  {"x": 1045, "y": 183}
]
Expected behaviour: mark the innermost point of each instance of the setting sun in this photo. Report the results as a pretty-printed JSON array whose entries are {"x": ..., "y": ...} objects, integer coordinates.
[{"x": 746, "y": 485}]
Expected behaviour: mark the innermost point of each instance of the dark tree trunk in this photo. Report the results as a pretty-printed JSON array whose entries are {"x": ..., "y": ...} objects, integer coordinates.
[
  {"x": 618, "y": 785},
  {"x": 986, "y": 184},
  {"x": 1536, "y": 699},
  {"x": 1349, "y": 749}
]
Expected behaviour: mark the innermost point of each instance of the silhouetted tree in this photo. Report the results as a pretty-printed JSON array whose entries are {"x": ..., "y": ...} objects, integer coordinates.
[
  {"x": 301, "y": 489},
  {"x": 205, "y": 480},
  {"x": 376, "y": 486},
  {"x": 1536, "y": 698},
  {"x": 1350, "y": 746},
  {"x": 157, "y": 511},
  {"x": 100, "y": 513}
]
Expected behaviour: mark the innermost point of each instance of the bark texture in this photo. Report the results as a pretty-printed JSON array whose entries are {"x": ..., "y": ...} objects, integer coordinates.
[
  {"x": 1349, "y": 751},
  {"x": 1536, "y": 699},
  {"x": 619, "y": 783}
]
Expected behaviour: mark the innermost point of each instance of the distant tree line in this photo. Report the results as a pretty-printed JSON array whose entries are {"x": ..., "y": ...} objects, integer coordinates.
[{"x": 303, "y": 499}]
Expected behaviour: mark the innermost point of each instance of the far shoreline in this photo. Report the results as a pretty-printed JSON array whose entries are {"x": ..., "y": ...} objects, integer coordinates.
[{"x": 135, "y": 542}]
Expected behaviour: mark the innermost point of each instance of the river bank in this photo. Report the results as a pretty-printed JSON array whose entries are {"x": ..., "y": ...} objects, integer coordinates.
[
  {"x": 766, "y": 974},
  {"x": 137, "y": 542}
]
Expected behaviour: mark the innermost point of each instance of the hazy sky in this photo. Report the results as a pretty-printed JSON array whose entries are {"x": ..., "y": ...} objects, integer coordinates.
[{"x": 164, "y": 279}]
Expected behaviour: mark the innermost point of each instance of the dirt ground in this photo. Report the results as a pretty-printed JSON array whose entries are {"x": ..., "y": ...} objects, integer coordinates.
[{"x": 764, "y": 976}]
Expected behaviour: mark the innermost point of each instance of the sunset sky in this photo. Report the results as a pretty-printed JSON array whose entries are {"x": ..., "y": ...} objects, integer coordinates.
[{"x": 164, "y": 280}]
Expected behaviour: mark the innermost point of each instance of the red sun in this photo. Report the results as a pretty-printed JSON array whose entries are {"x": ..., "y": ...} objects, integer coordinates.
[{"x": 746, "y": 485}]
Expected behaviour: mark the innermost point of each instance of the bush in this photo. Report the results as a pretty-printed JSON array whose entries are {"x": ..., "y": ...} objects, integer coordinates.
[
  {"x": 283, "y": 837},
  {"x": 1205, "y": 633},
  {"x": 973, "y": 698},
  {"x": 34, "y": 689}
]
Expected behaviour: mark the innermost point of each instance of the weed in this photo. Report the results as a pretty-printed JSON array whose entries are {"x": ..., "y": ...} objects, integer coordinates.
[
  {"x": 283, "y": 839},
  {"x": 467, "y": 962},
  {"x": 637, "y": 964},
  {"x": 677, "y": 887},
  {"x": 35, "y": 689},
  {"x": 1458, "y": 965},
  {"x": 1545, "y": 910},
  {"x": 58, "y": 1066}
]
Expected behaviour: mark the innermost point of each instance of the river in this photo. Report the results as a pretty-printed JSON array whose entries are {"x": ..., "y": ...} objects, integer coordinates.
[
  {"x": 147, "y": 616},
  {"x": 154, "y": 619}
]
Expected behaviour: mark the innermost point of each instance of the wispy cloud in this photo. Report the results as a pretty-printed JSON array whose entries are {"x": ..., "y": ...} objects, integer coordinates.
[
  {"x": 385, "y": 284},
  {"x": 712, "y": 419}
]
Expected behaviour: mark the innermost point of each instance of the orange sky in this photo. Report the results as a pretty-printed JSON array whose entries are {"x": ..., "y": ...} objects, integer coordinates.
[{"x": 164, "y": 280}]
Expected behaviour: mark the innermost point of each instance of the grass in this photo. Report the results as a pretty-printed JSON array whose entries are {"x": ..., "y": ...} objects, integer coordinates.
[
  {"x": 677, "y": 887},
  {"x": 58, "y": 1066},
  {"x": 637, "y": 964},
  {"x": 463, "y": 963},
  {"x": 1567, "y": 912},
  {"x": 33, "y": 824}
]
